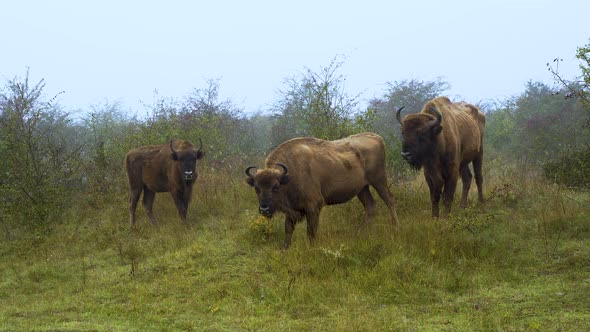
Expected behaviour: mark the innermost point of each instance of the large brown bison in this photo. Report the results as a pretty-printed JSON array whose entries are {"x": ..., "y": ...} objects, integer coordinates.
[
  {"x": 304, "y": 174},
  {"x": 444, "y": 138},
  {"x": 168, "y": 167}
]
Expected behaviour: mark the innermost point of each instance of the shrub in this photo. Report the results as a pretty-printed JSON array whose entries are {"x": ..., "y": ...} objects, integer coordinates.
[{"x": 571, "y": 170}]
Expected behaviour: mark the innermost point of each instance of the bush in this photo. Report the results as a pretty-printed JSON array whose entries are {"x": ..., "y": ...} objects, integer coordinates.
[
  {"x": 40, "y": 162},
  {"x": 571, "y": 170}
]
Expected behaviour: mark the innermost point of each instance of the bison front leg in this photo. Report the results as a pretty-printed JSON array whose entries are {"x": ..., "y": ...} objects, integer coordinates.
[
  {"x": 181, "y": 205},
  {"x": 289, "y": 228},
  {"x": 449, "y": 192},
  {"x": 148, "y": 204},
  {"x": 313, "y": 220},
  {"x": 435, "y": 186}
]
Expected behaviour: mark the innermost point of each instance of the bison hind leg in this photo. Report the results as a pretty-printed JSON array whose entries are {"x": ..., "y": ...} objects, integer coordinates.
[
  {"x": 133, "y": 199},
  {"x": 466, "y": 178},
  {"x": 368, "y": 203},
  {"x": 477, "y": 165},
  {"x": 387, "y": 197}
]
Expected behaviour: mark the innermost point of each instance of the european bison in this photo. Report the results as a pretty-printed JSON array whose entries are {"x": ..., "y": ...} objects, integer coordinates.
[
  {"x": 304, "y": 174},
  {"x": 168, "y": 167},
  {"x": 444, "y": 138}
]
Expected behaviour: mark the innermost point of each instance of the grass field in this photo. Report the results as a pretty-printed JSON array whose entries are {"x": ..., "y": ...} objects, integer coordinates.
[{"x": 519, "y": 263}]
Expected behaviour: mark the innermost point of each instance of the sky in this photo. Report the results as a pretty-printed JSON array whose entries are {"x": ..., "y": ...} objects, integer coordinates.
[{"x": 124, "y": 51}]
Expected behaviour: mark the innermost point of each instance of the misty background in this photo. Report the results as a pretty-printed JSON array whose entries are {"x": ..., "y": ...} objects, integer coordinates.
[{"x": 125, "y": 51}]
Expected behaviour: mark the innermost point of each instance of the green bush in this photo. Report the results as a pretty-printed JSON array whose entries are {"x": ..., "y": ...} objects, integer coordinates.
[{"x": 571, "y": 170}]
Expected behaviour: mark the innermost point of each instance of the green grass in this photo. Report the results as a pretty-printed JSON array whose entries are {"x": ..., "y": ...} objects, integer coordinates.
[{"x": 519, "y": 263}]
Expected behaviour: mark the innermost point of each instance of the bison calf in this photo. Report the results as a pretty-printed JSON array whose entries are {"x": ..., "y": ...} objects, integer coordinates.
[
  {"x": 168, "y": 167},
  {"x": 304, "y": 174},
  {"x": 445, "y": 138}
]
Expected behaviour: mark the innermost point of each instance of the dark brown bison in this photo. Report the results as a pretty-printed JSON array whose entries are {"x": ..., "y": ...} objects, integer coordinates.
[
  {"x": 304, "y": 174},
  {"x": 444, "y": 138},
  {"x": 168, "y": 167}
]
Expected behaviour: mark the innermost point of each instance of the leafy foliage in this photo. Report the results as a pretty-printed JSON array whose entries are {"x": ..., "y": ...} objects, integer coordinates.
[
  {"x": 501, "y": 127},
  {"x": 571, "y": 170},
  {"x": 529, "y": 129},
  {"x": 578, "y": 88},
  {"x": 573, "y": 165},
  {"x": 40, "y": 166},
  {"x": 109, "y": 135},
  {"x": 583, "y": 54},
  {"x": 315, "y": 104}
]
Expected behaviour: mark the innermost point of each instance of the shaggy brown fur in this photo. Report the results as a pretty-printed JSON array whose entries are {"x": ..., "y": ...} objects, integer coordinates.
[
  {"x": 304, "y": 174},
  {"x": 445, "y": 148},
  {"x": 168, "y": 167}
]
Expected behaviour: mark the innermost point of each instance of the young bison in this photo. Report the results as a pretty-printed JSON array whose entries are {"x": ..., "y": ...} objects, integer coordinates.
[{"x": 169, "y": 168}]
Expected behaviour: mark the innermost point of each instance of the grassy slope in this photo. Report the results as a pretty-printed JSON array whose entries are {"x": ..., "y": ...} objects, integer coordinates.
[{"x": 523, "y": 263}]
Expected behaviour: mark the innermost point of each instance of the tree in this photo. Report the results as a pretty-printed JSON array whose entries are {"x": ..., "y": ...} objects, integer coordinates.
[
  {"x": 501, "y": 129},
  {"x": 572, "y": 167},
  {"x": 201, "y": 115},
  {"x": 315, "y": 104},
  {"x": 109, "y": 134},
  {"x": 214, "y": 120},
  {"x": 41, "y": 165},
  {"x": 529, "y": 128},
  {"x": 579, "y": 87}
]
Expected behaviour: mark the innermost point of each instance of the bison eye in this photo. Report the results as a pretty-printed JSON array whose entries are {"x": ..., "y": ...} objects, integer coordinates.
[
  {"x": 257, "y": 190},
  {"x": 275, "y": 188}
]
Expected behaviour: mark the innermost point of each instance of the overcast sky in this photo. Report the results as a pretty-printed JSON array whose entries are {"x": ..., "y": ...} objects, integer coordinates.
[{"x": 124, "y": 50}]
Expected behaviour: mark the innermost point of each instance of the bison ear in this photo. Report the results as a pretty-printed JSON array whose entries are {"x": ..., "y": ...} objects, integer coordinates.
[
  {"x": 250, "y": 181},
  {"x": 436, "y": 129},
  {"x": 200, "y": 154},
  {"x": 284, "y": 179},
  {"x": 174, "y": 155}
]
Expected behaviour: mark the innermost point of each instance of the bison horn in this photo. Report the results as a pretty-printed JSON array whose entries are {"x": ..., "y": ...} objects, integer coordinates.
[
  {"x": 398, "y": 115},
  {"x": 437, "y": 113},
  {"x": 285, "y": 169},
  {"x": 172, "y": 149},
  {"x": 200, "y": 145},
  {"x": 248, "y": 171}
]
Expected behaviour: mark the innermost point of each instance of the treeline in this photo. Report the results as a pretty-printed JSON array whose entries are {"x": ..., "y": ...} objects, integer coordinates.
[{"x": 53, "y": 159}]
